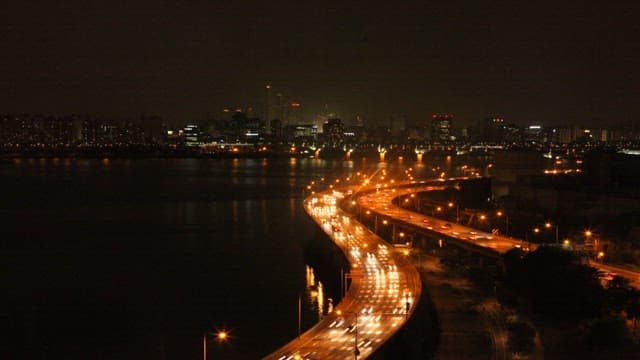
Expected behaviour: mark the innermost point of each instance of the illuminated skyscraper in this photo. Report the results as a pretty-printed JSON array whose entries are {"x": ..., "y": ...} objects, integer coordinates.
[
  {"x": 441, "y": 127},
  {"x": 191, "y": 135}
]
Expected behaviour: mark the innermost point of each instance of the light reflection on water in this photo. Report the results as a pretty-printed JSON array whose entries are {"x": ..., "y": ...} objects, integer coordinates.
[
  {"x": 153, "y": 236},
  {"x": 315, "y": 294}
]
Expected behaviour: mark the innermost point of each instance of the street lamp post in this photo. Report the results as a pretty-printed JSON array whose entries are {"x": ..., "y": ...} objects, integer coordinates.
[
  {"x": 348, "y": 275},
  {"x": 407, "y": 306},
  {"x": 482, "y": 218},
  {"x": 299, "y": 315},
  {"x": 548, "y": 225},
  {"x": 401, "y": 235},
  {"x": 537, "y": 231},
  {"x": 221, "y": 336},
  {"x": 356, "y": 351},
  {"x": 506, "y": 218},
  {"x": 457, "y": 211},
  {"x": 588, "y": 234}
]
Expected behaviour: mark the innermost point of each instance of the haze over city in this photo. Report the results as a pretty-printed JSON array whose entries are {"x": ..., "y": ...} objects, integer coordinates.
[{"x": 531, "y": 62}]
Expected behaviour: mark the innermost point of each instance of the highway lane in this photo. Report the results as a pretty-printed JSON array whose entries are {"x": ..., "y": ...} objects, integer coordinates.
[
  {"x": 383, "y": 281},
  {"x": 379, "y": 301},
  {"x": 612, "y": 270},
  {"x": 380, "y": 202}
]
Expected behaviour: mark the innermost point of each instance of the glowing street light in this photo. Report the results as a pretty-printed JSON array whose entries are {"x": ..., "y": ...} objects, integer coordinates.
[
  {"x": 548, "y": 225},
  {"x": 506, "y": 217},
  {"x": 588, "y": 234},
  {"x": 451, "y": 204},
  {"x": 221, "y": 336},
  {"x": 436, "y": 209}
]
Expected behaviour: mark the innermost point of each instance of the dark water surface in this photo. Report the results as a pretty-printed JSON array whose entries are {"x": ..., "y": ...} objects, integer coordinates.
[{"x": 135, "y": 259}]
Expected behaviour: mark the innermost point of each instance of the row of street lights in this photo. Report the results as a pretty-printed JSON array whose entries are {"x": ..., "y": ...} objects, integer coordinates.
[
  {"x": 450, "y": 204},
  {"x": 548, "y": 226},
  {"x": 499, "y": 214}
]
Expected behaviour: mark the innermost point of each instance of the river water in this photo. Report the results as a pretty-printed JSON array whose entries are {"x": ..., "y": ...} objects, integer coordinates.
[{"x": 136, "y": 259}]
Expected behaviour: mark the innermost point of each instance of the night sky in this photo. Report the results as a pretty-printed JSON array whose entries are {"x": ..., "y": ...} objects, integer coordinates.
[{"x": 549, "y": 63}]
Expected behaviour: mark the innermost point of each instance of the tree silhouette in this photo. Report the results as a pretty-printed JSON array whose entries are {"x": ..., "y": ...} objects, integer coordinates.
[
  {"x": 555, "y": 283},
  {"x": 623, "y": 298}
]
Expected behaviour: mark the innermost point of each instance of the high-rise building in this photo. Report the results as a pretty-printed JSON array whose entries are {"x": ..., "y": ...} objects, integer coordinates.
[
  {"x": 441, "y": 127},
  {"x": 152, "y": 126},
  {"x": 293, "y": 114},
  {"x": 267, "y": 109},
  {"x": 492, "y": 129},
  {"x": 322, "y": 118},
  {"x": 573, "y": 133},
  {"x": 308, "y": 131},
  {"x": 192, "y": 135},
  {"x": 333, "y": 130},
  {"x": 397, "y": 125}
]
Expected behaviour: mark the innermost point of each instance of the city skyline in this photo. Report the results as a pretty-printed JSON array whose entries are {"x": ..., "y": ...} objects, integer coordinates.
[{"x": 531, "y": 63}]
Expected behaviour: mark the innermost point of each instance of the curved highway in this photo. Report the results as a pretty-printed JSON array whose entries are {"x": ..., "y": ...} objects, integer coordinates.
[
  {"x": 379, "y": 301},
  {"x": 384, "y": 283},
  {"x": 380, "y": 203}
]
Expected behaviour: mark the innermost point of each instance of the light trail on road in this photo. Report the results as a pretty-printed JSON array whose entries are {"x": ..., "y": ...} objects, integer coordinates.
[
  {"x": 380, "y": 202},
  {"x": 383, "y": 292}
]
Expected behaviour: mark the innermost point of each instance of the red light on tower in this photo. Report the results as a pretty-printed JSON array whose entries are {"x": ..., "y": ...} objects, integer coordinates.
[{"x": 442, "y": 116}]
